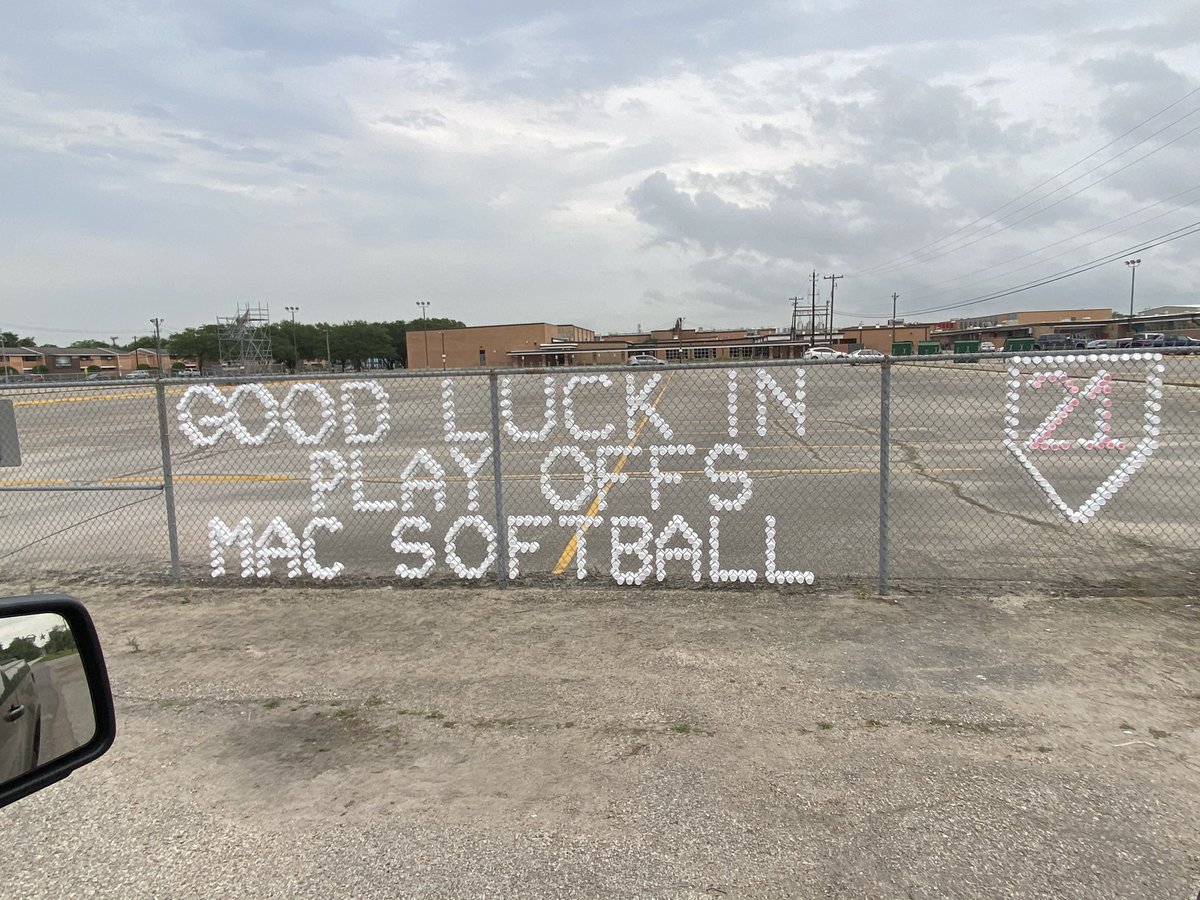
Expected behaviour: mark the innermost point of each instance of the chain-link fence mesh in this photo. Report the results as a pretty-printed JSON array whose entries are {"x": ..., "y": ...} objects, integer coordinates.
[
  {"x": 1055, "y": 470},
  {"x": 1059, "y": 469},
  {"x": 88, "y": 493}
]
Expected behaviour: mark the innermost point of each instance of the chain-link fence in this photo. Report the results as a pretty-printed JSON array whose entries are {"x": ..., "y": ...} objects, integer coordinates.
[{"x": 1060, "y": 470}]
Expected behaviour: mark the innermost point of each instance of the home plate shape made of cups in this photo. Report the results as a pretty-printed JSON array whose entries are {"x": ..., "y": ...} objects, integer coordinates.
[{"x": 1075, "y": 396}]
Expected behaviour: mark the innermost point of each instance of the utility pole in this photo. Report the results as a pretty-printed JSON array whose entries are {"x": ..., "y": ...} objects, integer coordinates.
[
  {"x": 295, "y": 347},
  {"x": 328, "y": 357},
  {"x": 1133, "y": 264},
  {"x": 157, "y": 323},
  {"x": 113, "y": 338},
  {"x": 813, "y": 321},
  {"x": 833, "y": 280},
  {"x": 795, "y": 315},
  {"x": 895, "y": 297},
  {"x": 424, "y": 304},
  {"x": 4, "y": 353}
]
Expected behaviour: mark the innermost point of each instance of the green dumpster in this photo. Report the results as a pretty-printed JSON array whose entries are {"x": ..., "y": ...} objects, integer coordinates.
[
  {"x": 1017, "y": 344},
  {"x": 902, "y": 348},
  {"x": 929, "y": 348},
  {"x": 966, "y": 346}
]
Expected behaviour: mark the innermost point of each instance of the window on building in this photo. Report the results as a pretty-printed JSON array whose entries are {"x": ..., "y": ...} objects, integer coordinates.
[
  {"x": 704, "y": 353},
  {"x": 762, "y": 352},
  {"x": 482, "y": 357},
  {"x": 673, "y": 354},
  {"x": 62, "y": 362}
]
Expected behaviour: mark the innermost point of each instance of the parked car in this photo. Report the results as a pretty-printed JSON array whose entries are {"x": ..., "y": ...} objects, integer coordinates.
[
  {"x": 644, "y": 359},
  {"x": 1157, "y": 339},
  {"x": 987, "y": 347},
  {"x": 1108, "y": 343},
  {"x": 1059, "y": 342},
  {"x": 865, "y": 355},
  {"x": 20, "y": 720},
  {"x": 139, "y": 375},
  {"x": 823, "y": 353}
]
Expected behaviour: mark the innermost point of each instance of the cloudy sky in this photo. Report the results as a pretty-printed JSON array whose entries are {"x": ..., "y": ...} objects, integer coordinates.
[{"x": 612, "y": 165}]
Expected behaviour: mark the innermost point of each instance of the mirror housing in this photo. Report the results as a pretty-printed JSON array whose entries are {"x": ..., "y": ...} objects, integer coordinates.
[{"x": 90, "y": 658}]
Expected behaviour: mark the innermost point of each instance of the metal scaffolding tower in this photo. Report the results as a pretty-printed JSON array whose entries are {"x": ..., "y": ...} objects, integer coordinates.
[{"x": 245, "y": 340}]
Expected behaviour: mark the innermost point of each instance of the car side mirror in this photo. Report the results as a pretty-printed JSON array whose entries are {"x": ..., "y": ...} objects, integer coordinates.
[{"x": 56, "y": 708}]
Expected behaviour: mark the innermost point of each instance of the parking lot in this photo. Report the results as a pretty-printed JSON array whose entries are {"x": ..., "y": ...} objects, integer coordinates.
[{"x": 788, "y": 465}]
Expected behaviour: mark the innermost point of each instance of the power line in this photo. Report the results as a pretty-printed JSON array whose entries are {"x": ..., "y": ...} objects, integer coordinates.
[
  {"x": 1038, "y": 212},
  {"x": 1073, "y": 237},
  {"x": 1040, "y": 185},
  {"x": 1167, "y": 238}
]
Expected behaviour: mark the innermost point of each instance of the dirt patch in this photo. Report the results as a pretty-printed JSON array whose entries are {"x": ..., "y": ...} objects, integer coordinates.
[{"x": 481, "y": 742}]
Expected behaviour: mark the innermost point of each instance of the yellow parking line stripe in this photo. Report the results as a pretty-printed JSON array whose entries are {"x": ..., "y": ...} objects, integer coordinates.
[{"x": 569, "y": 551}]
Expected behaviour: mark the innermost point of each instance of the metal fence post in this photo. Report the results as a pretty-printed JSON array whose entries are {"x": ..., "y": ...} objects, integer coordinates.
[
  {"x": 168, "y": 483},
  {"x": 497, "y": 479},
  {"x": 885, "y": 411}
]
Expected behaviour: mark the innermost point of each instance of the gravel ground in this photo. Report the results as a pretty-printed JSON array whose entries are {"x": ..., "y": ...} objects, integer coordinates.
[{"x": 604, "y": 743}]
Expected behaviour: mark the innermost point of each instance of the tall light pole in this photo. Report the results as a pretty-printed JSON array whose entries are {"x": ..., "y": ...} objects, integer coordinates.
[
  {"x": 157, "y": 323},
  {"x": 328, "y": 355},
  {"x": 424, "y": 304},
  {"x": 895, "y": 297},
  {"x": 1133, "y": 264},
  {"x": 295, "y": 349}
]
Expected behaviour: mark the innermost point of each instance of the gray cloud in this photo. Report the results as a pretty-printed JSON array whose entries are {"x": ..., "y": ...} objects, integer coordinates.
[{"x": 645, "y": 159}]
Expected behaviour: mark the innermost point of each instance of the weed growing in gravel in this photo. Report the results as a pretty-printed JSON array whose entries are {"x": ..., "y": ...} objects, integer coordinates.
[
  {"x": 272, "y": 703},
  {"x": 825, "y": 726},
  {"x": 133, "y": 645}
]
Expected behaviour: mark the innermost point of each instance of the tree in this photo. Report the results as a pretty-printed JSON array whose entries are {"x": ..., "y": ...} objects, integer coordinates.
[
  {"x": 40, "y": 369},
  {"x": 397, "y": 332},
  {"x": 13, "y": 340},
  {"x": 59, "y": 640},
  {"x": 22, "y": 648},
  {"x": 143, "y": 341},
  {"x": 201, "y": 344},
  {"x": 91, "y": 342},
  {"x": 359, "y": 342}
]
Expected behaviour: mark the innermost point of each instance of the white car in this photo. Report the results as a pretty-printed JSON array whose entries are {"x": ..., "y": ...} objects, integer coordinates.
[
  {"x": 987, "y": 347},
  {"x": 823, "y": 353},
  {"x": 644, "y": 359},
  {"x": 866, "y": 355}
]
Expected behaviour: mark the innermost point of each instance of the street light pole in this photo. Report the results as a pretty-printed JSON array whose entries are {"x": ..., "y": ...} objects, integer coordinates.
[
  {"x": 424, "y": 304},
  {"x": 328, "y": 355},
  {"x": 157, "y": 323},
  {"x": 295, "y": 347},
  {"x": 1133, "y": 264},
  {"x": 895, "y": 297}
]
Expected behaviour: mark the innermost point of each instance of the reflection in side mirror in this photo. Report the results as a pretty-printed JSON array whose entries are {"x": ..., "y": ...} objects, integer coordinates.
[
  {"x": 55, "y": 704},
  {"x": 45, "y": 704}
]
